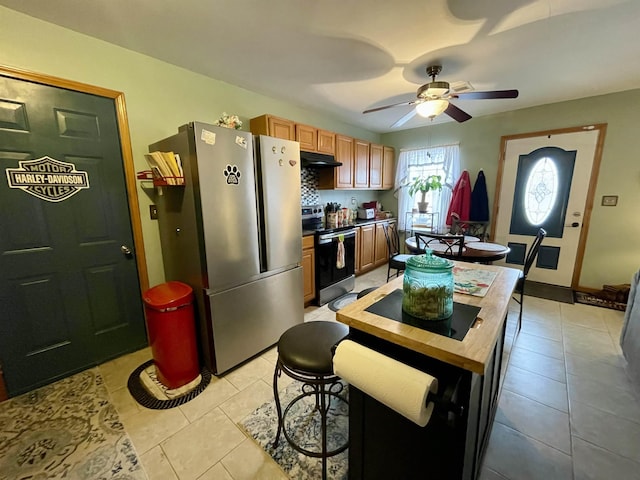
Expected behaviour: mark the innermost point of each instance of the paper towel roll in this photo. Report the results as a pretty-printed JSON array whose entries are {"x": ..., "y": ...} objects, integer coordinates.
[{"x": 400, "y": 387}]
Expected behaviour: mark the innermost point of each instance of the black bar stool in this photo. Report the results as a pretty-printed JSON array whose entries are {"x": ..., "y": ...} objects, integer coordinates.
[{"x": 305, "y": 353}]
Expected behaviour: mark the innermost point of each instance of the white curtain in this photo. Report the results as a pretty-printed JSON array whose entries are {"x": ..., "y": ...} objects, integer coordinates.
[{"x": 446, "y": 158}]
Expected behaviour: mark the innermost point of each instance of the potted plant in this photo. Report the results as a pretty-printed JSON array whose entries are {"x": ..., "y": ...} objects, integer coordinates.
[{"x": 424, "y": 185}]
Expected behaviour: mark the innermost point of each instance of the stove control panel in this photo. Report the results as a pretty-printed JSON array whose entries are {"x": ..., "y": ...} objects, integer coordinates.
[{"x": 312, "y": 211}]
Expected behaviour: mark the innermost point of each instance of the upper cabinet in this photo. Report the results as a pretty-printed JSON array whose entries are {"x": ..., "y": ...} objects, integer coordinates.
[
  {"x": 375, "y": 166},
  {"x": 339, "y": 177},
  {"x": 315, "y": 140},
  {"x": 361, "y": 179},
  {"x": 344, "y": 154},
  {"x": 273, "y": 126},
  {"x": 308, "y": 137},
  {"x": 326, "y": 142},
  {"x": 388, "y": 168},
  {"x": 365, "y": 166}
]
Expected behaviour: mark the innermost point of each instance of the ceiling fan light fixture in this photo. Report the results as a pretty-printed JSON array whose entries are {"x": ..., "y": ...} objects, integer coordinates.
[
  {"x": 433, "y": 90},
  {"x": 432, "y": 108}
]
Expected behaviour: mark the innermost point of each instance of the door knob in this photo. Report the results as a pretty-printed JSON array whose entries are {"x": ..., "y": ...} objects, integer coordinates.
[{"x": 126, "y": 250}]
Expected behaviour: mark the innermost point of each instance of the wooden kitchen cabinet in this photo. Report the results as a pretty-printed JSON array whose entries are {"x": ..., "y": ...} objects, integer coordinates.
[
  {"x": 367, "y": 247},
  {"x": 273, "y": 126},
  {"x": 326, "y": 142},
  {"x": 313, "y": 139},
  {"x": 308, "y": 269},
  {"x": 371, "y": 246},
  {"x": 361, "y": 164},
  {"x": 307, "y": 136},
  {"x": 375, "y": 166},
  {"x": 381, "y": 252},
  {"x": 388, "y": 167},
  {"x": 339, "y": 177}
]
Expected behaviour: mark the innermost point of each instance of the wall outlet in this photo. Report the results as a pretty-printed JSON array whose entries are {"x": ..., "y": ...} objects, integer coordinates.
[{"x": 153, "y": 212}]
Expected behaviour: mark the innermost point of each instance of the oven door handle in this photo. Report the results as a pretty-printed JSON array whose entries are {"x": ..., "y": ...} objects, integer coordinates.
[{"x": 328, "y": 237}]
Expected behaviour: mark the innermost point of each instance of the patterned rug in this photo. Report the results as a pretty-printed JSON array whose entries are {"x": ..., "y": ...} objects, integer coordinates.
[
  {"x": 66, "y": 430},
  {"x": 303, "y": 424}
]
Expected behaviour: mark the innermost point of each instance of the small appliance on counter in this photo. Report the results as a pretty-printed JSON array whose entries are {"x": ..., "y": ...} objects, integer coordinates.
[{"x": 366, "y": 213}]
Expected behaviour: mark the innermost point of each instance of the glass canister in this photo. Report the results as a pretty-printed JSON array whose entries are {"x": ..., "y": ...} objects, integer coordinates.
[{"x": 428, "y": 287}]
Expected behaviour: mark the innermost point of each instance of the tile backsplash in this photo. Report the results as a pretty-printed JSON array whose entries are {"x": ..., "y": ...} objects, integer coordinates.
[{"x": 309, "y": 186}]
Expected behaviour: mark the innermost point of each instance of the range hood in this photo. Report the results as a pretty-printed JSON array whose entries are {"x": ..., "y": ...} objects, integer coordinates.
[{"x": 318, "y": 160}]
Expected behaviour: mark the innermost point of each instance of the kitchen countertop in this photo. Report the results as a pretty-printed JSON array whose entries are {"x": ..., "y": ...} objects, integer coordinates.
[
  {"x": 357, "y": 223},
  {"x": 472, "y": 353}
]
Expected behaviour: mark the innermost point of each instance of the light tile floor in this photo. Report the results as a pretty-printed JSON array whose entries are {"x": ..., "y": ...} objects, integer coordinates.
[{"x": 567, "y": 409}]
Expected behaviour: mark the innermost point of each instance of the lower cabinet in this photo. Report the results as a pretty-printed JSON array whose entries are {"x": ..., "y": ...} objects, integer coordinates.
[
  {"x": 367, "y": 247},
  {"x": 308, "y": 268},
  {"x": 381, "y": 250},
  {"x": 371, "y": 246}
]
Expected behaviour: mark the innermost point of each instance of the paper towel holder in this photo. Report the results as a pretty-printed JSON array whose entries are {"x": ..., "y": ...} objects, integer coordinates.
[{"x": 443, "y": 404}]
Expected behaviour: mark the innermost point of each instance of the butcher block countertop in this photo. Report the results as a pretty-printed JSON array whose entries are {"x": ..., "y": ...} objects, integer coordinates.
[{"x": 473, "y": 352}]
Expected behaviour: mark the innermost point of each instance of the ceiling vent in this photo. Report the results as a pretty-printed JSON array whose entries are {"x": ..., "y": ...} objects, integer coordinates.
[{"x": 461, "y": 86}]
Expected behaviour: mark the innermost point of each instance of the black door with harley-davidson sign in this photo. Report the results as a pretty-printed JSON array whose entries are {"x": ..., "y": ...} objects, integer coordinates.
[{"x": 69, "y": 288}]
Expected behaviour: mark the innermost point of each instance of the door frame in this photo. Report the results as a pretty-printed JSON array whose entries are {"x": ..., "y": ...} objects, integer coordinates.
[
  {"x": 127, "y": 159},
  {"x": 593, "y": 181}
]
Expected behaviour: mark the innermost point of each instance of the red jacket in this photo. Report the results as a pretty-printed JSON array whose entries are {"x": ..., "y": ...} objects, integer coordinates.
[{"x": 461, "y": 198}]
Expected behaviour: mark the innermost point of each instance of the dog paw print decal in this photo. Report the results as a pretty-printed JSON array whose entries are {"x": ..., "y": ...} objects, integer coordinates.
[{"x": 233, "y": 175}]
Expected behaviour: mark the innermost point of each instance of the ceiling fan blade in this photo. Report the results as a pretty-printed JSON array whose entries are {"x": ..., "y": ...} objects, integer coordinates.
[
  {"x": 457, "y": 114},
  {"x": 377, "y": 109},
  {"x": 487, "y": 95},
  {"x": 405, "y": 118}
]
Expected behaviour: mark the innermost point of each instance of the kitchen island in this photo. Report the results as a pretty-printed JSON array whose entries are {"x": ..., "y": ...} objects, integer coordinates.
[{"x": 383, "y": 443}]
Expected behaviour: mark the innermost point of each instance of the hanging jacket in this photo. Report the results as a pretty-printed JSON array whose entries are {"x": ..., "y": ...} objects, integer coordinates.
[
  {"x": 460, "y": 198},
  {"x": 479, "y": 200}
]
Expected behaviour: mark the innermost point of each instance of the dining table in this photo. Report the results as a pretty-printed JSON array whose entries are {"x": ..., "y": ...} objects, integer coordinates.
[{"x": 473, "y": 250}]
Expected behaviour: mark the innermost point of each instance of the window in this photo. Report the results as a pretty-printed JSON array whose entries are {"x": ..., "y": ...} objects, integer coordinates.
[
  {"x": 441, "y": 160},
  {"x": 541, "y": 191},
  {"x": 425, "y": 171}
]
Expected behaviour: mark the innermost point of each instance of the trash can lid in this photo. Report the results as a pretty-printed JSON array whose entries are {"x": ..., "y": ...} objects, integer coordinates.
[{"x": 168, "y": 295}]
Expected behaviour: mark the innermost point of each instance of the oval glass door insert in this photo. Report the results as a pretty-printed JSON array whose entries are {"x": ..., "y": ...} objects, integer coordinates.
[{"x": 541, "y": 191}]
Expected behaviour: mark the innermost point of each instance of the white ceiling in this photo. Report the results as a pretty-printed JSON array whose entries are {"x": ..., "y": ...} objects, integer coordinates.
[{"x": 346, "y": 56}]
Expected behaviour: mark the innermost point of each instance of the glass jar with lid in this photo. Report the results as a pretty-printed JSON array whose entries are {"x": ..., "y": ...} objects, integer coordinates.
[{"x": 428, "y": 287}]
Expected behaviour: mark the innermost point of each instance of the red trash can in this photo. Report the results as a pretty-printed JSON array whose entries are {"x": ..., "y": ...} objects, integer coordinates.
[{"x": 172, "y": 333}]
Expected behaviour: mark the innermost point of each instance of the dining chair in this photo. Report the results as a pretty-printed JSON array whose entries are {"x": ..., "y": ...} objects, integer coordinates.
[
  {"x": 397, "y": 260},
  {"x": 530, "y": 258},
  {"x": 469, "y": 227},
  {"x": 447, "y": 245}
]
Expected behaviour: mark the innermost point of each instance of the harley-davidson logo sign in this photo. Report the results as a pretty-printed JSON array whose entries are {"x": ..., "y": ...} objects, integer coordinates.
[{"x": 47, "y": 178}]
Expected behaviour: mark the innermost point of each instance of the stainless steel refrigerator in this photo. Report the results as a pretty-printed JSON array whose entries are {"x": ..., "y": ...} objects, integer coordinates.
[{"x": 234, "y": 233}]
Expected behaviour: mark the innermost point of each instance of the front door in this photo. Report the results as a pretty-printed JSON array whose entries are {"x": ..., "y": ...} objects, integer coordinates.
[
  {"x": 547, "y": 181},
  {"x": 69, "y": 285}
]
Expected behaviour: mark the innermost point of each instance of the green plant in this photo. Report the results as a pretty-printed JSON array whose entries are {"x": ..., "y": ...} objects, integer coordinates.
[{"x": 424, "y": 185}]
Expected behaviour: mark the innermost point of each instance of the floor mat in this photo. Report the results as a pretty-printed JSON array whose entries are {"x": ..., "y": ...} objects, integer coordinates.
[
  {"x": 343, "y": 301},
  {"x": 68, "y": 429},
  {"x": 588, "y": 299},
  {"x": 301, "y": 421},
  {"x": 549, "y": 292},
  {"x": 147, "y": 390}
]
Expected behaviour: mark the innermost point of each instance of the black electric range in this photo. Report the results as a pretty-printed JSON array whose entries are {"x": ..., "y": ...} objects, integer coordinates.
[{"x": 335, "y": 249}]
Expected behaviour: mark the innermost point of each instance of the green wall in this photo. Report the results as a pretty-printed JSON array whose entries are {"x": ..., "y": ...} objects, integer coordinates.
[
  {"x": 612, "y": 254},
  {"x": 159, "y": 97}
]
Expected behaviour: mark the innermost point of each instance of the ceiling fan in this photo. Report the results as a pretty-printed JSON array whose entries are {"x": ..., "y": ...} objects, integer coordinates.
[{"x": 433, "y": 99}]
